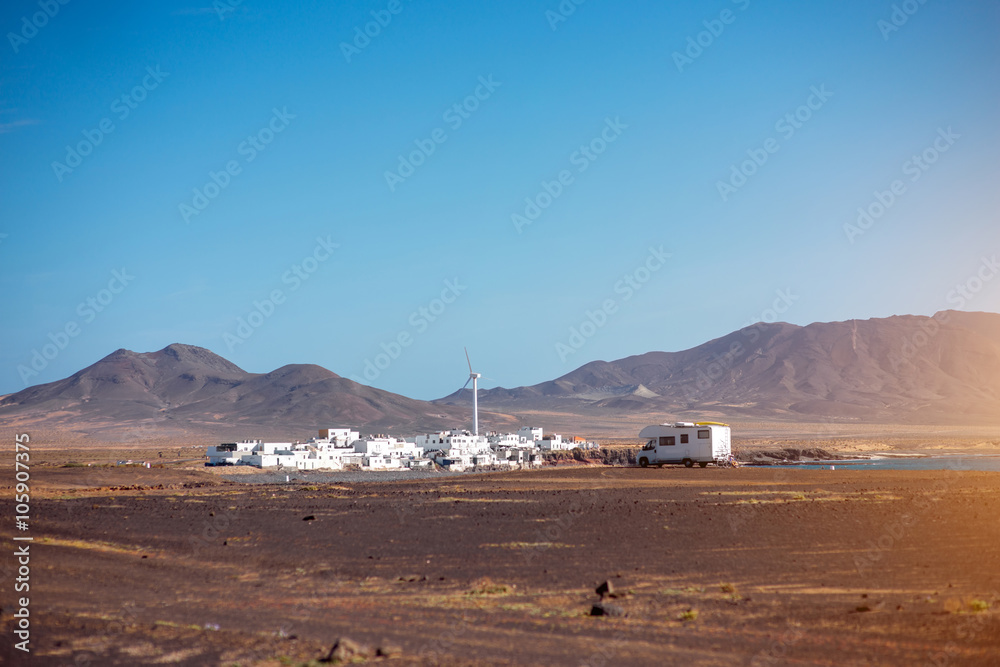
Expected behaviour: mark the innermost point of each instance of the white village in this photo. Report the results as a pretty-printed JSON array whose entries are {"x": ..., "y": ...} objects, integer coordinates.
[{"x": 455, "y": 450}]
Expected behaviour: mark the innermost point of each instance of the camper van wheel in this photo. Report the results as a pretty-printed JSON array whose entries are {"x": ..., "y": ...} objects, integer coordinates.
[
  {"x": 644, "y": 462},
  {"x": 659, "y": 465},
  {"x": 688, "y": 463},
  {"x": 703, "y": 463}
]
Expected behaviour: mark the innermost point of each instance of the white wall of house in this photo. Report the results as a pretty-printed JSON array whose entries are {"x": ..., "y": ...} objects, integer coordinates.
[
  {"x": 216, "y": 458},
  {"x": 502, "y": 440},
  {"x": 337, "y": 447},
  {"x": 429, "y": 441},
  {"x": 338, "y": 437},
  {"x": 382, "y": 462},
  {"x": 530, "y": 433},
  {"x": 393, "y": 447},
  {"x": 272, "y": 447},
  {"x": 230, "y": 453},
  {"x": 270, "y": 460},
  {"x": 455, "y": 442},
  {"x": 554, "y": 443}
]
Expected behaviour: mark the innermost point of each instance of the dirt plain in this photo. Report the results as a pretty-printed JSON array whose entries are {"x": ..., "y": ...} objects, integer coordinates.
[{"x": 753, "y": 566}]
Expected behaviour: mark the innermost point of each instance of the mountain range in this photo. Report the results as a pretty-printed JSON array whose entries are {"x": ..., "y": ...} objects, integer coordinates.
[
  {"x": 902, "y": 369},
  {"x": 906, "y": 369},
  {"x": 183, "y": 390}
]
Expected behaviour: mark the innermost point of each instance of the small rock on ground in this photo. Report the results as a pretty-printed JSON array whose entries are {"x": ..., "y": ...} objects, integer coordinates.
[{"x": 606, "y": 609}]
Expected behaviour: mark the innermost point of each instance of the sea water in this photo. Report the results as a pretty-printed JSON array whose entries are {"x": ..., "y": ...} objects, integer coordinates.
[{"x": 945, "y": 462}]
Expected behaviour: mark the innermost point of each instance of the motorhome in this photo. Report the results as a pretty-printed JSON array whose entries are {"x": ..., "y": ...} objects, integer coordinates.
[{"x": 684, "y": 442}]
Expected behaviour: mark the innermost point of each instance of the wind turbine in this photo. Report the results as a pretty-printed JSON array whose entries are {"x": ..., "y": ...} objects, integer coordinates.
[{"x": 474, "y": 378}]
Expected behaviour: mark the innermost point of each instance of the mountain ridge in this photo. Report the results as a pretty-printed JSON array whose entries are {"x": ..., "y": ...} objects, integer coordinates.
[
  {"x": 184, "y": 388},
  {"x": 904, "y": 367},
  {"x": 901, "y": 369}
]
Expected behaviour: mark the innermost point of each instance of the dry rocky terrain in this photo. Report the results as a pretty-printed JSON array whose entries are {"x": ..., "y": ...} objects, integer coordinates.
[{"x": 175, "y": 565}]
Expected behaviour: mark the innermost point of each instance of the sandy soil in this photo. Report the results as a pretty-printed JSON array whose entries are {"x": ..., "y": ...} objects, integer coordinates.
[{"x": 710, "y": 567}]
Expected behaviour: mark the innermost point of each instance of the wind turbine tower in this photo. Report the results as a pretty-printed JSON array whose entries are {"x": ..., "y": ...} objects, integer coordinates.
[{"x": 474, "y": 377}]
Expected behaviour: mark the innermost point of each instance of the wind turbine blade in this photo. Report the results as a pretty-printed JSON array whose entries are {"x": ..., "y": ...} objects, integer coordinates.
[
  {"x": 466, "y": 384},
  {"x": 467, "y": 359}
]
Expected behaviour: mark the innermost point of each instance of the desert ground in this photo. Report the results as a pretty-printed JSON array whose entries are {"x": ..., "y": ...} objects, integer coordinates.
[{"x": 177, "y": 564}]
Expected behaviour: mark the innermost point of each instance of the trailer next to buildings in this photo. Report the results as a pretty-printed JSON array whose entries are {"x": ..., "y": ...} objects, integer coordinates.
[{"x": 685, "y": 442}]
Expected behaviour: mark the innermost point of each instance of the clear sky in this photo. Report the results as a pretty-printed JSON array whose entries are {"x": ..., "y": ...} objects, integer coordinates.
[{"x": 665, "y": 171}]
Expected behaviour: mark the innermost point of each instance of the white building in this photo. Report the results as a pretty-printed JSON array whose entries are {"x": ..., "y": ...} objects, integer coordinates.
[
  {"x": 516, "y": 449},
  {"x": 505, "y": 440},
  {"x": 460, "y": 462},
  {"x": 335, "y": 448},
  {"x": 429, "y": 441},
  {"x": 270, "y": 455},
  {"x": 386, "y": 446},
  {"x": 328, "y": 451},
  {"x": 382, "y": 462},
  {"x": 385, "y": 453},
  {"x": 252, "y": 452},
  {"x": 309, "y": 457},
  {"x": 554, "y": 443},
  {"x": 230, "y": 454},
  {"x": 456, "y": 449},
  {"x": 337, "y": 437},
  {"x": 519, "y": 456},
  {"x": 585, "y": 444},
  {"x": 530, "y": 433},
  {"x": 453, "y": 443}
]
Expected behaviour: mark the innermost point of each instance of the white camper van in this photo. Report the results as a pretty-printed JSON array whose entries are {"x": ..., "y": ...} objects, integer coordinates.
[{"x": 684, "y": 442}]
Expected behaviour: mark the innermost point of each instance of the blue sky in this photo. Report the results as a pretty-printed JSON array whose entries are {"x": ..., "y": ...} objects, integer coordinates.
[{"x": 643, "y": 125}]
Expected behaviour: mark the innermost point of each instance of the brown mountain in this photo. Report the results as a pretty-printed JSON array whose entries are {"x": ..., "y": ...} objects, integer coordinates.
[
  {"x": 183, "y": 391},
  {"x": 904, "y": 369}
]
